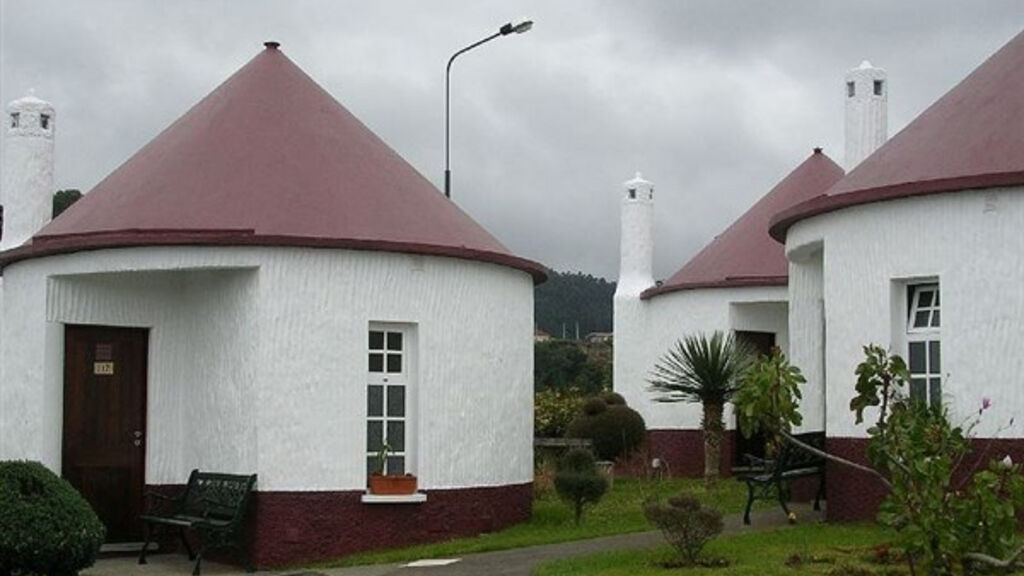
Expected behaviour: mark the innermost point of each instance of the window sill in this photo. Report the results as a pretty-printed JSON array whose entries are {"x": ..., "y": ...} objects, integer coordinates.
[{"x": 417, "y": 498}]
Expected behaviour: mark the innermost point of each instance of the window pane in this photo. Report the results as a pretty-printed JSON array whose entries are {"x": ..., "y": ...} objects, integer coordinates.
[
  {"x": 917, "y": 388},
  {"x": 921, "y": 319},
  {"x": 917, "y": 357},
  {"x": 934, "y": 364},
  {"x": 394, "y": 363},
  {"x": 371, "y": 466},
  {"x": 396, "y": 436},
  {"x": 936, "y": 298},
  {"x": 396, "y": 465},
  {"x": 394, "y": 340},
  {"x": 396, "y": 401},
  {"x": 924, "y": 298},
  {"x": 935, "y": 392},
  {"x": 935, "y": 319},
  {"x": 375, "y": 401},
  {"x": 376, "y": 340},
  {"x": 376, "y": 362},
  {"x": 374, "y": 436}
]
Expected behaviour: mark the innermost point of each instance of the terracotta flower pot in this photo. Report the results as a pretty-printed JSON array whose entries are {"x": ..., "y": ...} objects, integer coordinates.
[{"x": 392, "y": 485}]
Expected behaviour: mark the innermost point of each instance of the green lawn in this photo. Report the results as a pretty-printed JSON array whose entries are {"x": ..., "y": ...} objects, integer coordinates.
[
  {"x": 818, "y": 549},
  {"x": 618, "y": 512}
]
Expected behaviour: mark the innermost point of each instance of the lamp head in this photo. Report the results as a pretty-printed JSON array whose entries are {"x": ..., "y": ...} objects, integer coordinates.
[{"x": 518, "y": 27}]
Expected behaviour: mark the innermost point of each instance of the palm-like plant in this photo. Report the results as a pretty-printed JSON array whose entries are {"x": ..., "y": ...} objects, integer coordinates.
[{"x": 708, "y": 371}]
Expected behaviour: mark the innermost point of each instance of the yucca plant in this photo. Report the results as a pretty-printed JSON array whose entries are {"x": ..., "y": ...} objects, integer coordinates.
[{"x": 707, "y": 371}]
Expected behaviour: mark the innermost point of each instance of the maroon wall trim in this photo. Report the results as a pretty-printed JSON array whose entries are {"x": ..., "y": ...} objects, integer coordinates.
[
  {"x": 683, "y": 451},
  {"x": 854, "y": 496},
  {"x": 296, "y": 527}
]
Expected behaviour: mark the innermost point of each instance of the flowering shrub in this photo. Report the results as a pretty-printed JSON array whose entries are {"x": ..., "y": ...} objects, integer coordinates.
[
  {"x": 943, "y": 527},
  {"x": 553, "y": 410}
]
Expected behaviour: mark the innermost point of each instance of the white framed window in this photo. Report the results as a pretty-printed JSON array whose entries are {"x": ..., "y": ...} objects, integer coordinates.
[
  {"x": 924, "y": 342},
  {"x": 389, "y": 397}
]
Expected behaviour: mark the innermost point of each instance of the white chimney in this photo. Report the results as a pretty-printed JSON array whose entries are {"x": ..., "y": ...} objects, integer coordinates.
[
  {"x": 867, "y": 102},
  {"x": 27, "y": 193},
  {"x": 637, "y": 240}
]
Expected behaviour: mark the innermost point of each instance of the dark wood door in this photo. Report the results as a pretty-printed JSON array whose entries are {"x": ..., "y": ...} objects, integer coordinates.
[
  {"x": 105, "y": 423},
  {"x": 762, "y": 343}
]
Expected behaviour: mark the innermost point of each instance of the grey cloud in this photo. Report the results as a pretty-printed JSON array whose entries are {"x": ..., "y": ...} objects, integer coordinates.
[{"x": 713, "y": 101}]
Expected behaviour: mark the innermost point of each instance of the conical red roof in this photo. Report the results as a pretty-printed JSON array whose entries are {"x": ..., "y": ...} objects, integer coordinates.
[
  {"x": 269, "y": 158},
  {"x": 973, "y": 137},
  {"x": 745, "y": 255}
]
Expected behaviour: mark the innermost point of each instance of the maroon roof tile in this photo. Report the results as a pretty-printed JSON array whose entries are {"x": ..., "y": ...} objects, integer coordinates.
[
  {"x": 971, "y": 138},
  {"x": 745, "y": 255},
  {"x": 269, "y": 158}
]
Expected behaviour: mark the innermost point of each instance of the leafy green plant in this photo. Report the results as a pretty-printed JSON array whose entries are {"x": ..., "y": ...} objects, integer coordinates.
[
  {"x": 686, "y": 524},
  {"x": 47, "y": 527},
  {"x": 707, "y": 371},
  {"x": 615, "y": 429},
  {"x": 578, "y": 482},
  {"x": 769, "y": 398}
]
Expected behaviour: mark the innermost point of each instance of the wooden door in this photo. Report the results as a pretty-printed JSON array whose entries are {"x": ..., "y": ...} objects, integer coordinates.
[
  {"x": 762, "y": 343},
  {"x": 105, "y": 423}
]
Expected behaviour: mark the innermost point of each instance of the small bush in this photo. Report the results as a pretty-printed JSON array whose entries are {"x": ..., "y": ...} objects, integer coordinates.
[
  {"x": 686, "y": 524},
  {"x": 48, "y": 528},
  {"x": 577, "y": 481},
  {"x": 616, "y": 430}
]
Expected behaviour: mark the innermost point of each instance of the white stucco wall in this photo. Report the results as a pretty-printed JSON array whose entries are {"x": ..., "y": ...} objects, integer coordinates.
[
  {"x": 646, "y": 329},
  {"x": 806, "y": 328},
  {"x": 971, "y": 242},
  {"x": 258, "y": 359}
]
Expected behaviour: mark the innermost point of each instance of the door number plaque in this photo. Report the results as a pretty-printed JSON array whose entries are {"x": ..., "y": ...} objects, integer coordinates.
[{"x": 103, "y": 368}]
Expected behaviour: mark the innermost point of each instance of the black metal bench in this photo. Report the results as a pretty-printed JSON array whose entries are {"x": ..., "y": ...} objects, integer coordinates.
[
  {"x": 774, "y": 476},
  {"x": 212, "y": 507}
]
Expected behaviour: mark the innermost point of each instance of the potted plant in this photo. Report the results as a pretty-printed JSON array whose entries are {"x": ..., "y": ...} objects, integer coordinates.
[{"x": 390, "y": 484}]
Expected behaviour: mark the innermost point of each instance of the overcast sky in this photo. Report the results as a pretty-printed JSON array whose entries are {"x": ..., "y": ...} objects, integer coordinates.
[{"x": 713, "y": 101}]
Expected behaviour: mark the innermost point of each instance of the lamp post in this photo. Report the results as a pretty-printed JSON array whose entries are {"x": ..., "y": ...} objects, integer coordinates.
[{"x": 506, "y": 29}]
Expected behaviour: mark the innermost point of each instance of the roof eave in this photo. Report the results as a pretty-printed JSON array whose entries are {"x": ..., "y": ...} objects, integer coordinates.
[
  {"x": 781, "y": 222},
  {"x": 73, "y": 243},
  {"x": 731, "y": 282}
]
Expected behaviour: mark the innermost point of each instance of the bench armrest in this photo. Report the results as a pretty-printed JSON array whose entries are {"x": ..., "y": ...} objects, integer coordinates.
[{"x": 755, "y": 462}]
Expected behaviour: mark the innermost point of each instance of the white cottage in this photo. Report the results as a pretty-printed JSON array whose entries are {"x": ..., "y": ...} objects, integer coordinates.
[
  {"x": 266, "y": 287},
  {"x": 736, "y": 284},
  {"x": 920, "y": 249}
]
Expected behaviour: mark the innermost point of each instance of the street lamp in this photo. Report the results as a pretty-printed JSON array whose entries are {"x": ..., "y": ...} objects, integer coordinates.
[{"x": 506, "y": 29}]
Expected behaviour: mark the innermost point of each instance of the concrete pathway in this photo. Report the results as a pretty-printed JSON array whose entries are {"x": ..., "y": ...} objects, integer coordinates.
[{"x": 516, "y": 562}]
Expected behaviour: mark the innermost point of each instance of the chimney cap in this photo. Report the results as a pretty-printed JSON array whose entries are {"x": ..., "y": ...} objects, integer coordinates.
[
  {"x": 817, "y": 149},
  {"x": 271, "y": 45}
]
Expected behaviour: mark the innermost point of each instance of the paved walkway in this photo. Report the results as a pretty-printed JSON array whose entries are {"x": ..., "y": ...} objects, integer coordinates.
[{"x": 516, "y": 562}]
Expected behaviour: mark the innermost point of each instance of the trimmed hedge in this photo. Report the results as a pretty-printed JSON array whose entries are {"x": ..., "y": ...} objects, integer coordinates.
[
  {"x": 48, "y": 528},
  {"x": 616, "y": 430}
]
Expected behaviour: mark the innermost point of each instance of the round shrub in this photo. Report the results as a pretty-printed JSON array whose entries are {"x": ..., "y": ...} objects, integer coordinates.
[
  {"x": 577, "y": 460},
  {"x": 616, "y": 431},
  {"x": 577, "y": 481},
  {"x": 48, "y": 528},
  {"x": 594, "y": 406},
  {"x": 686, "y": 524},
  {"x": 613, "y": 398}
]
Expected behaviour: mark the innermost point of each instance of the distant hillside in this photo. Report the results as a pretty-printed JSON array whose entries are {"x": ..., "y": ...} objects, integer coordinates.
[{"x": 569, "y": 298}]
